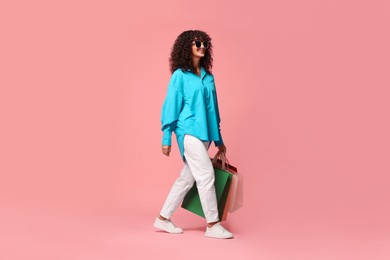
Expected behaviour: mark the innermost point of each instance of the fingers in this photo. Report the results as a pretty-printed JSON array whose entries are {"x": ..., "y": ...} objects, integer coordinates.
[
  {"x": 166, "y": 150},
  {"x": 222, "y": 148}
]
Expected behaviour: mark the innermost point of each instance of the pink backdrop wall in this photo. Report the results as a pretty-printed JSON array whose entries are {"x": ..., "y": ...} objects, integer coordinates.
[{"x": 303, "y": 89}]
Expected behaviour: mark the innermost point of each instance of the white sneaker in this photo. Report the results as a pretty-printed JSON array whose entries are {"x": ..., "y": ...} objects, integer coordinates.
[
  {"x": 167, "y": 225},
  {"x": 218, "y": 231}
]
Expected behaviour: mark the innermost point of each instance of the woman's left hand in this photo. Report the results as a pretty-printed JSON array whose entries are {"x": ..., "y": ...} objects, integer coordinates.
[{"x": 222, "y": 148}]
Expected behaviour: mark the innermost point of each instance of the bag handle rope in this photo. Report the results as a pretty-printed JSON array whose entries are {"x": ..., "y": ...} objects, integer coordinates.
[{"x": 223, "y": 158}]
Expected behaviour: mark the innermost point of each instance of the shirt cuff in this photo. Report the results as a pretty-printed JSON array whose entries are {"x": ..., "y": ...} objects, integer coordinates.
[
  {"x": 218, "y": 143},
  {"x": 166, "y": 140}
]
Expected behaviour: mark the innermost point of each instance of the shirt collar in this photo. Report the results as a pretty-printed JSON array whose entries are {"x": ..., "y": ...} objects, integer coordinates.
[{"x": 202, "y": 72}]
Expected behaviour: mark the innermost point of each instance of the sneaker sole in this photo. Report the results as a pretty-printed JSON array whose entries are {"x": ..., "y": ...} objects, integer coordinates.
[{"x": 213, "y": 236}]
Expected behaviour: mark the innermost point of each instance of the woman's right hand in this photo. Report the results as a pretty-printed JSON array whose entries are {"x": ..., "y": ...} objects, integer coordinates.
[{"x": 166, "y": 149}]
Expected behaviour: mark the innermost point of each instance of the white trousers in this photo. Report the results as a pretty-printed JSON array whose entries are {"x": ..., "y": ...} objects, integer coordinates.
[{"x": 197, "y": 168}]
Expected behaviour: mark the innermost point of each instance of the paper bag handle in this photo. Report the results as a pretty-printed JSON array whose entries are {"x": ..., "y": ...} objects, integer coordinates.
[{"x": 223, "y": 159}]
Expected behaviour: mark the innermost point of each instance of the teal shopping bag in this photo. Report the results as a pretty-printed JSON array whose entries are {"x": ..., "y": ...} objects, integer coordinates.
[{"x": 192, "y": 202}]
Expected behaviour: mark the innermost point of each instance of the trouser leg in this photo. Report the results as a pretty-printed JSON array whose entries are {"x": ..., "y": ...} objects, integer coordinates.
[
  {"x": 199, "y": 163},
  {"x": 179, "y": 189}
]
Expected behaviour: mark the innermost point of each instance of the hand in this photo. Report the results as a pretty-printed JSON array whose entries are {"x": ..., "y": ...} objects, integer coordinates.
[
  {"x": 222, "y": 148},
  {"x": 166, "y": 149}
]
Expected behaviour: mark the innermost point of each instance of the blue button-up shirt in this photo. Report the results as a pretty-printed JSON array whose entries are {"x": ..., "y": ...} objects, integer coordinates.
[{"x": 191, "y": 107}]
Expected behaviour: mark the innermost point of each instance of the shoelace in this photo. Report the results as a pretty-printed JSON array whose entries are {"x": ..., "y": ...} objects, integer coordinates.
[
  {"x": 171, "y": 225},
  {"x": 219, "y": 227}
]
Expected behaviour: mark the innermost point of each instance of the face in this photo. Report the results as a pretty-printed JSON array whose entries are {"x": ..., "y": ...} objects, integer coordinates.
[{"x": 198, "y": 52}]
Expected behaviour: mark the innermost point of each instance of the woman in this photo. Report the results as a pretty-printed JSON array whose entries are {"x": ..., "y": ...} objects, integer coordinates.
[{"x": 191, "y": 111}]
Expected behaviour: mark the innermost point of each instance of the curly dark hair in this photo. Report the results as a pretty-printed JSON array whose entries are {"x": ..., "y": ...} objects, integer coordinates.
[{"x": 181, "y": 54}]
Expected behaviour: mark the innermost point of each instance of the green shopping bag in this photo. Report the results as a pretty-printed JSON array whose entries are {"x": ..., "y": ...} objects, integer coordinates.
[{"x": 222, "y": 182}]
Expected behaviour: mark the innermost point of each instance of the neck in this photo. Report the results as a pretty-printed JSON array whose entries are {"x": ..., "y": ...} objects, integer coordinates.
[{"x": 196, "y": 62}]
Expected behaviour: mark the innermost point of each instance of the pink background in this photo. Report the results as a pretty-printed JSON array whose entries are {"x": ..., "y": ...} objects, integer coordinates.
[{"x": 303, "y": 89}]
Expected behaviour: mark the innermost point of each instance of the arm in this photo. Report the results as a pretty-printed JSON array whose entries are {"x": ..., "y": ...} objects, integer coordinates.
[
  {"x": 171, "y": 109},
  {"x": 220, "y": 142}
]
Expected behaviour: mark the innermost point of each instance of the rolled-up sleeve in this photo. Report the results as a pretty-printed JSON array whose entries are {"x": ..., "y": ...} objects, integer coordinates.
[{"x": 172, "y": 107}]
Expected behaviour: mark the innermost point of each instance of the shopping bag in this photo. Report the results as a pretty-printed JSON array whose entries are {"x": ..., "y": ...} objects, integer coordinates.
[
  {"x": 235, "y": 194},
  {"x": 235, "y": 199},
  {"x": 222, "y": 182},
  {"x": 220, "y": 162}
]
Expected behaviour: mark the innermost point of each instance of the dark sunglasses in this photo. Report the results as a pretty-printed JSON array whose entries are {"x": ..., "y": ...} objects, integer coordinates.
[{"x": 198, "y": 44}]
